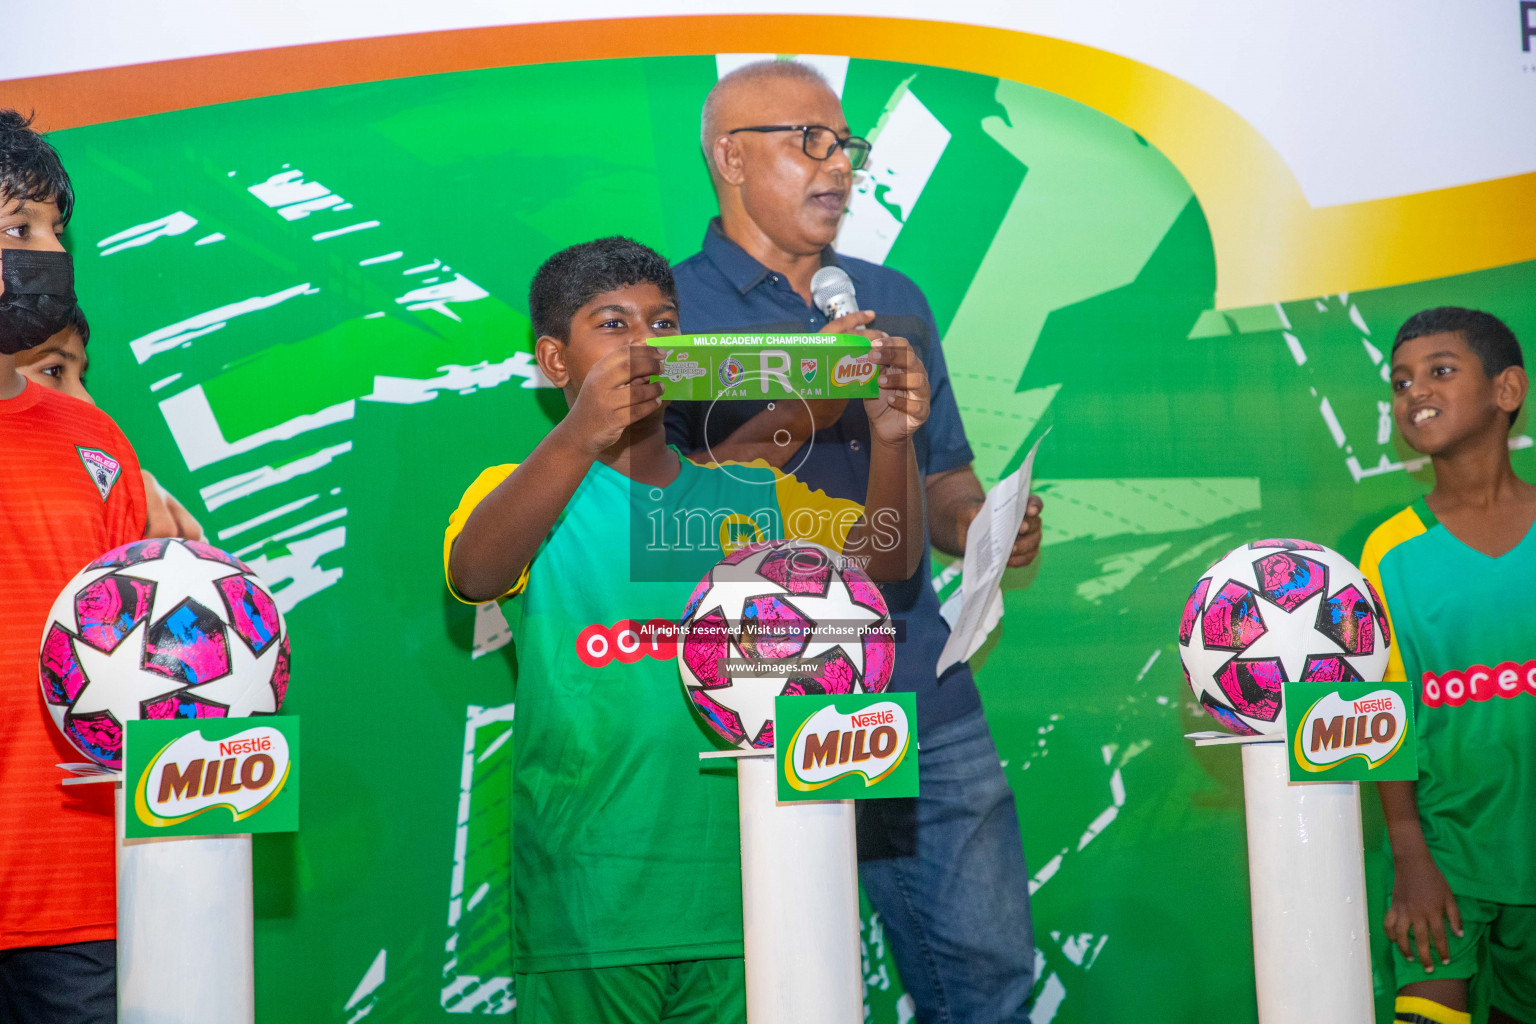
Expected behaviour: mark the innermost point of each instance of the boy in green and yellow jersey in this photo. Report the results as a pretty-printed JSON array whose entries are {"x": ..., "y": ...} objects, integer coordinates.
[
  {"x": 626, "y": 855},
  {"x": 1457, "y": 570}
]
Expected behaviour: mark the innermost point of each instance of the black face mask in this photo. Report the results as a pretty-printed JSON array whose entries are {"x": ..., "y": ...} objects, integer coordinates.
[{"x": 38, "y": 299}]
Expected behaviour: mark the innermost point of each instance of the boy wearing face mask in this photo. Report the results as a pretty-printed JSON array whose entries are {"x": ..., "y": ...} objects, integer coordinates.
[{"x": 70, "y": 489}]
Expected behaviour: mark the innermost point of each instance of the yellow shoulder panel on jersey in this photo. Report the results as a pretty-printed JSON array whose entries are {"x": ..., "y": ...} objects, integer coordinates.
[
  {"x": 1406, "y": 525},
  {"x": 484, "y": 484},
  {"x": 814, "y": 515},
  {"x": 806, "y": 514}
]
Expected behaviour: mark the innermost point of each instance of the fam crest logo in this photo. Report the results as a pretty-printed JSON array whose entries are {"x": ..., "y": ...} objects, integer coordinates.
[{"x": 808, "y": 368}]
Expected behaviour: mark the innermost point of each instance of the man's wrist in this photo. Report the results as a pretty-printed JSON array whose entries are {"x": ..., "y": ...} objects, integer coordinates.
[{"x": 965, "y": 515}]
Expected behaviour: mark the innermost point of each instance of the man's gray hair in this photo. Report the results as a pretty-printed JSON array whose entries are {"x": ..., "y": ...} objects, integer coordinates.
[{"x": 759, "y": 72}]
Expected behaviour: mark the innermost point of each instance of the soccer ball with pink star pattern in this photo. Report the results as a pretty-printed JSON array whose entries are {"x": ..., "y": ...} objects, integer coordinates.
[
  {"x": 780, "y": 617},
  {"x": 160, "y": 628},
  {"x": 1278, "y": 611}
]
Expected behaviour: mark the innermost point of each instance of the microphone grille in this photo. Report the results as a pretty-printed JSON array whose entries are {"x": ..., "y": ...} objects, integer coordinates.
[{"x": 828, "y": 283}]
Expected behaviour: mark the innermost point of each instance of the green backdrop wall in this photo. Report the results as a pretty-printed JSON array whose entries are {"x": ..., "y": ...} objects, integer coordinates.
[{"x": 309, "y": 314}]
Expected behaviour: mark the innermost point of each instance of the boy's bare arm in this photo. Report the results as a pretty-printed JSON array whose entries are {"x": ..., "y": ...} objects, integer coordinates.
[
  {"x": 891, "y": 532},
  {"x": 1421, "y": 897},
  {"x": 504, "y": 531}
]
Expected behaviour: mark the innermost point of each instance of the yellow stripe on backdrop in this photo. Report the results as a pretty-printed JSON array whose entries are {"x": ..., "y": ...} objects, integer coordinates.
[{"x": 1271, "y": 245}]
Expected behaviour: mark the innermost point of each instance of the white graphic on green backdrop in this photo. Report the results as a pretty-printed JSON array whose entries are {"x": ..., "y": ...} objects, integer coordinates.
[
  {"x": 178, "y": 223},
  {"x": 365, "y": 996},
  {"x": 322, "y": 338},
  {"x": 478, "y": 896},
  {"x": 908, "y": 144}
]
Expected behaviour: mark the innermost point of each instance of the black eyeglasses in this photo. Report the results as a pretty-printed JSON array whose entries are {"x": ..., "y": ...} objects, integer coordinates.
[{"x": 819, "y": 141}]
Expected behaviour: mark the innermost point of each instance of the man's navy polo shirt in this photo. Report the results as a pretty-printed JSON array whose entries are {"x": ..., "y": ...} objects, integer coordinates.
[{"x": 723, "y": 290}]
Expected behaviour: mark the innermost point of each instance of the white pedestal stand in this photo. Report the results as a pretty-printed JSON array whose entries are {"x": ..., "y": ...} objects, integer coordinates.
[
  {"x": 800, "y": 901},
  {"x": 1306, "y": 876},
  {"x": 184, "y": 935}
]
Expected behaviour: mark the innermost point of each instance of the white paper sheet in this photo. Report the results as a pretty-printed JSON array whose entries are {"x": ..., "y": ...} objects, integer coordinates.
[{"x": 988, "y": 545}]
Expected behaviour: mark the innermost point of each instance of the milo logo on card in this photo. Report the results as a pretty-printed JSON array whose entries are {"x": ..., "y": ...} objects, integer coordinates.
[
  {"x": 210, "y": 776},
  {"x": 853, "y": 370},
  {"x": 191, "y": 775},
  {"x": 1334, "y": 729},
  {"x": 831, "y": 745}
]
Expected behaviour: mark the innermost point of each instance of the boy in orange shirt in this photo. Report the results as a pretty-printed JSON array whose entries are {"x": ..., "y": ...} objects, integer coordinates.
[{"x": 69, "y": 490}]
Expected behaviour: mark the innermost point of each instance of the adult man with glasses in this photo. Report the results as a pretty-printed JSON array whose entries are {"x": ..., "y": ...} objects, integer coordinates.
[{"x": 945, "y": 871}]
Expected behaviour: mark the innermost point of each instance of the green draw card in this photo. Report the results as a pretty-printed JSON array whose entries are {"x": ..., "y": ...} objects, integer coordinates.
[{"x": 710, "y": 367}]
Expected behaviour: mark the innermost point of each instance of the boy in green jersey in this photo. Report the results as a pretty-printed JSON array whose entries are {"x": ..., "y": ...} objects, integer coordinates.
[
  {"x": 1457, "y": 570},
  {"x": 626, "y": 854}
]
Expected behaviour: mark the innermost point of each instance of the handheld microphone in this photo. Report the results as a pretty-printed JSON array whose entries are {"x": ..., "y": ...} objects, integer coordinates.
[{"x": 832, "y": 291}]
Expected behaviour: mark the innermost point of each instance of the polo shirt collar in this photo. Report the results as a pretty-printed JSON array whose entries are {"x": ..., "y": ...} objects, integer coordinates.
[{"x": 739, "y": 267}]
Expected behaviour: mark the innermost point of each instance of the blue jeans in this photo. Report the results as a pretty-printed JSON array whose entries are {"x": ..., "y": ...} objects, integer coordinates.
[
  {"x": 946, "y": 873},
  {"x": 75, "y": 983}
]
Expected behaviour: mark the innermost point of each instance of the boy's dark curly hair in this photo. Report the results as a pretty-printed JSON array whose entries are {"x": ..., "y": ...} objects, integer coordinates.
[{"x": 573, "y": 277}]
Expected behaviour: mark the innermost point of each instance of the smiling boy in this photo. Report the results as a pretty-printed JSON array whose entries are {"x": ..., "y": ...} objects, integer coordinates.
[
  {"x": 626, "y": 855},
  {"x": 1457, "y": 570}
]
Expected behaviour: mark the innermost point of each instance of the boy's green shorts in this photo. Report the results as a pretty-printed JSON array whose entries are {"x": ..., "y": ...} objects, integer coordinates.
[
  {"x": 1496, "y": 953},
  {"x": 686, "y": 992}
]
